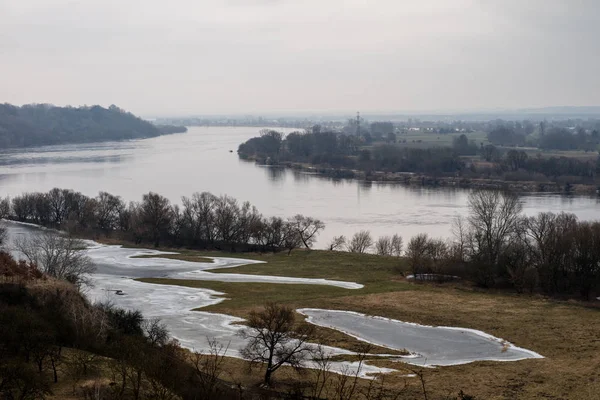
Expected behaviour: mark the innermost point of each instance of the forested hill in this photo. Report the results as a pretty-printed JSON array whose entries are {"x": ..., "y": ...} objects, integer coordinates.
[{"x": 43, "y": 124}]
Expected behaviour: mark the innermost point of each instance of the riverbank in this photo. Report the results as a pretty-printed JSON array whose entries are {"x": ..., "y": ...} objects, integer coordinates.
[
  {"x": 558, "y": 330},
  {"x": 424, "y": 180},
  {"x": 566, "y": 333}
]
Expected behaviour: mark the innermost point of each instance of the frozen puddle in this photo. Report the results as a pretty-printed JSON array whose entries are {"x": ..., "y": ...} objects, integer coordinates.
[
  {"x": 120, "y": 261},
  {"x": 116, "y": 260},
  {"x": 432, "y": 346}
]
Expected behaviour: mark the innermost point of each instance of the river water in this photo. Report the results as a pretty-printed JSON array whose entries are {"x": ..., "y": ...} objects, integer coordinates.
[{"x": 200, "y": 160}]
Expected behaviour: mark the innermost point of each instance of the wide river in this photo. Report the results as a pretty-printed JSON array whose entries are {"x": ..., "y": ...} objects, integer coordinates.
[{"x": 200, "y": 160}]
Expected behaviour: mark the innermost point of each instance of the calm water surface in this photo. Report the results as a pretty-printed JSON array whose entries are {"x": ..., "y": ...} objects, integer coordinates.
[{"x": 179, "y": 165}]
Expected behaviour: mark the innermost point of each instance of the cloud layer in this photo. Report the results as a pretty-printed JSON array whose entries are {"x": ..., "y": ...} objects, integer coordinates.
[{"x": 238, "y": 56}]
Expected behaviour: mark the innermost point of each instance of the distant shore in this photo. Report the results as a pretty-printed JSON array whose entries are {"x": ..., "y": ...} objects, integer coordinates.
[{"x": 420, "y": 179}]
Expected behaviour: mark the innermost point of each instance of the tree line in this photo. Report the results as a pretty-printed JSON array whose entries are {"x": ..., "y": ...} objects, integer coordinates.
[
  {"x": 518, "y": 165},
  {"x": 340, "y": 151},
  {"x": 556, "y": 137},
  {"x": 44, "y": 124},
  {"x": 203, "y": 220},
  {"x": 497, "y": 246},
  {"x": 169, "y": 129}
]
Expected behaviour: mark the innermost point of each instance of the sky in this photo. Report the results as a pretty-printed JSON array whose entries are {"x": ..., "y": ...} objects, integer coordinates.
[{"x": 200, "y": 57}]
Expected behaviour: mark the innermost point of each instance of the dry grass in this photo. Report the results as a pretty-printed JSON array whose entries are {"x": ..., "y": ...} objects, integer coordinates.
[{"x": 566, "y": 333}]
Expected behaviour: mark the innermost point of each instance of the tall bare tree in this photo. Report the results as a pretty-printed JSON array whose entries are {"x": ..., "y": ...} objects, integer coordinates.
[
  {"x": 586, "y": 260},
  {"x": 209, "y": 365},
  {"x": 361, "y": 242},
  {"x": 494, "y": 218},
  {"x": 274, "y": 339},
  {"x": 337, "y": 243},
  {"x": 4, "y": 208},
  {"x": 59, "y": 256},
  {"x": 107, "y": 211},
  {"x": 155, "y": 213},
  {"x": 397, "y": 245},
  {"x": 383, "y": 246},
  {"x": 307, "y": 229},
  {"x": 550, "y": 241},
  {"x": 417, "y": 254}
]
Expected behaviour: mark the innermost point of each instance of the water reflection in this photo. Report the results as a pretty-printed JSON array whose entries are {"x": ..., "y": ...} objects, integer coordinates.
[
  {"x": 200, "y": 160},
  {"x": 301, "y": 177},
  {"x": 275, "y": 174},
  {"x": 365, "y": 185},
  {"x": 67, "y": 159}
]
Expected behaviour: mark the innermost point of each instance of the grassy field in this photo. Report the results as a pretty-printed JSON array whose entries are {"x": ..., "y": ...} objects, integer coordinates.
[
  {"x": 422, "y": 140},
  {"x": 566, "y": 333}
]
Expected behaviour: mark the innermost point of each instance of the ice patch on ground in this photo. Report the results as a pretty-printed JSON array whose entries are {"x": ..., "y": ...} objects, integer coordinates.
[
  {"x": 117, "y": 260},
  {"x": 173, "y": 305},
  {"x": 431, "y": 346}
]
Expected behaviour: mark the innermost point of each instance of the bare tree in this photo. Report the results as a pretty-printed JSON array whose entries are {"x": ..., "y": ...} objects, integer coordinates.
[
  {"x": 57, "y": 200},
  {"x": 162, "y": 372},
  {"x": 376, "y": 390},
  {"x": 397, "y": 245},
  {"x": 383, "y": 246},
  {"x": 346, "y": 384},
  {"x": 420, "y": 373},
  {"x": 209, "y": 365},
  {"x": 307, "y": 229},
  {"x": 437, "y": 251},
  {"x": 460, "y": 233},
  {"x": 155, "y": 213},
  {"x": 275, "y": 340},
  {"x": 156, "y": 332},
  {"x": 226, "y": 212},
  {"x": 291, "y": 238},
  {"x": 107, "y": 211},
  {"x": 417, "y": 253},
  {"x": 361, "y": 242},
  {"x": 338, "y": 242},
  {"x": 59, "y": 256},
  {"x": 550, "y": 247},
  {"x": 199, "y": 216},
  {"x": 586, "y": 260},
  {"x": 494, "y": 218},
  {"x": 4, "y": 208},
  {"x": 321, "y": 371},
  {"x": 516, "y": 258}
]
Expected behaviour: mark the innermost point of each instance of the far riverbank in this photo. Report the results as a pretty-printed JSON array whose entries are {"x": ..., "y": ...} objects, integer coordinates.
[{"x": 424, "y": 180}]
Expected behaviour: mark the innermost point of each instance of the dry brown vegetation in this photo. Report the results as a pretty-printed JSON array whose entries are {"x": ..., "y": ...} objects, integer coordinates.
[{"x": 567, "y": 333}]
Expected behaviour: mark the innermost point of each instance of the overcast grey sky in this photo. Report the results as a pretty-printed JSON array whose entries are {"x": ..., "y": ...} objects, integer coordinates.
[{"x": 175, "y": 57}]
